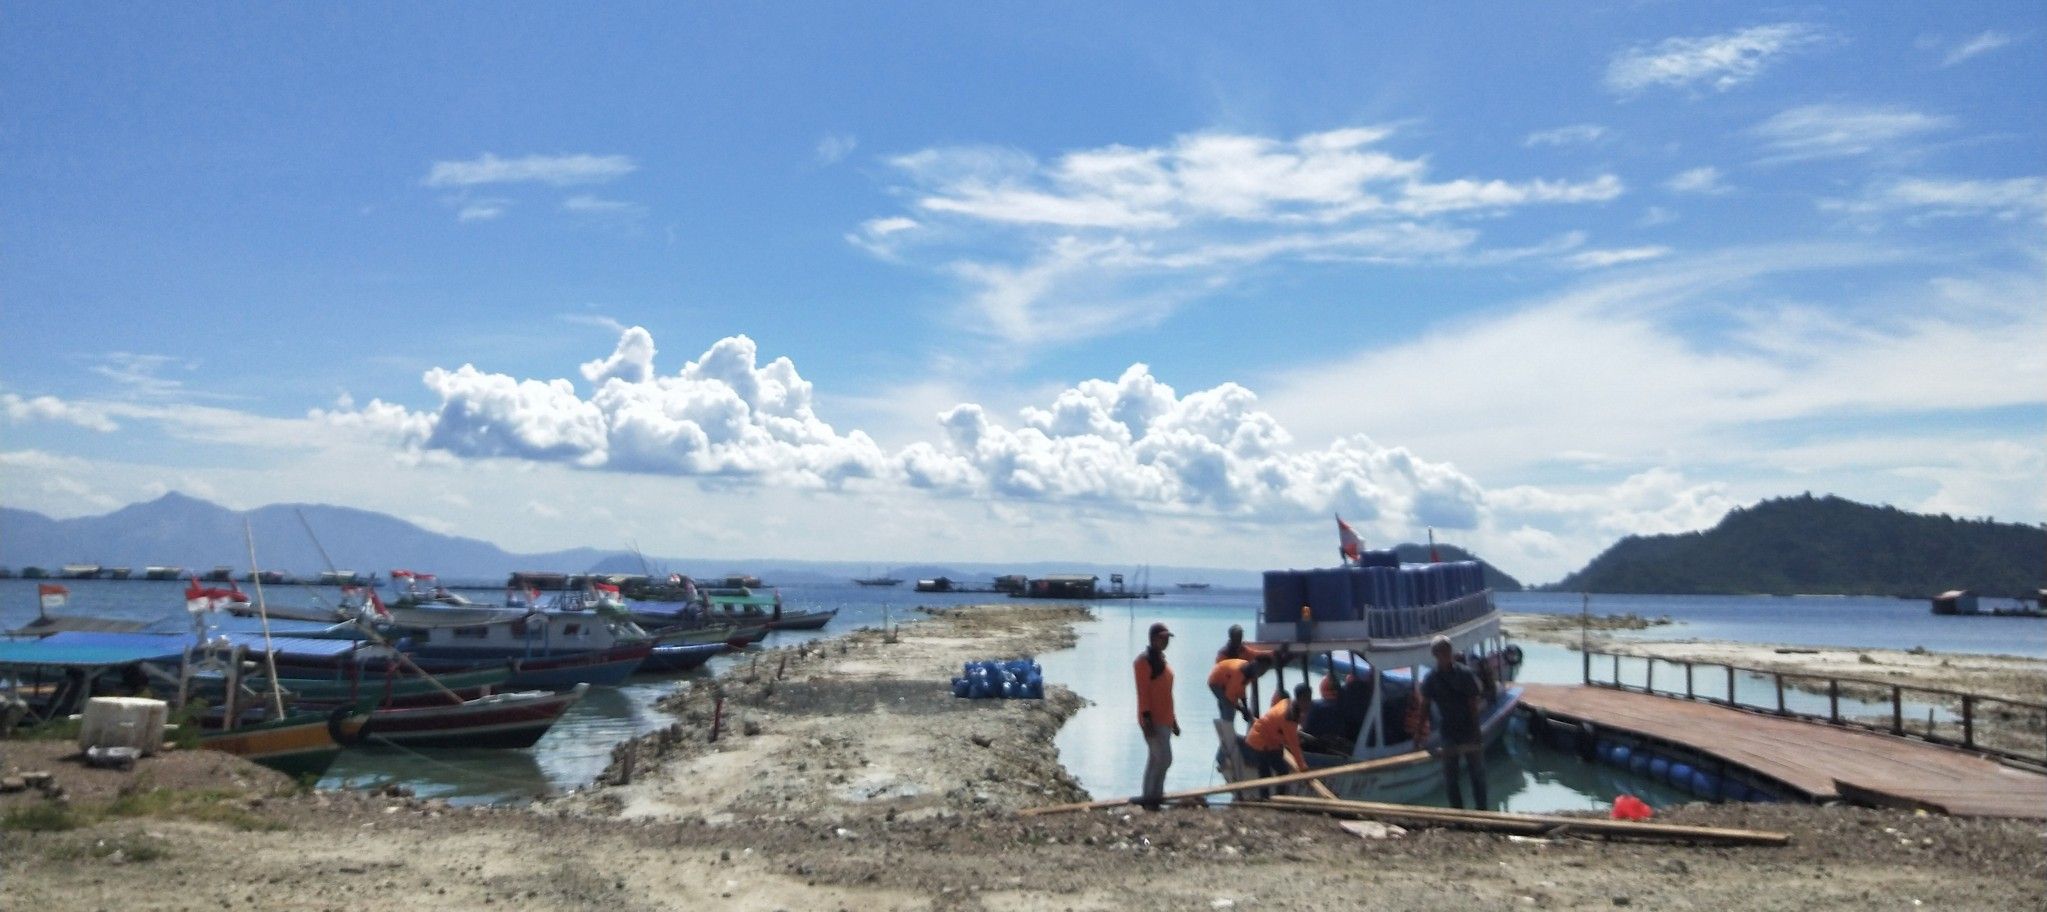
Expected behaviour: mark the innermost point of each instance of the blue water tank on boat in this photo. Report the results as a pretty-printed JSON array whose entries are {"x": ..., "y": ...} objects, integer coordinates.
[
  {"x": 1378, "y": 559},
  {"x": 1329, "y": 591},
  {"x": 1285, "y": 592}
]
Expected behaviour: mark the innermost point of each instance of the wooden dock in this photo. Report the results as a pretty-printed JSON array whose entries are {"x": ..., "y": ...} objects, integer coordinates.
[{"x": 1821, "y": 760}]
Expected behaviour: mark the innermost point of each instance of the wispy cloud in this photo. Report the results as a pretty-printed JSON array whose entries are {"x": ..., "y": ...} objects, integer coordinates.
[
  {"x": 1839, "y": 131},
  {"x": 2009, "y": 200},
  {"x": 584, "y": 204},
  {"x": 1720, "y": 62},
  {"x": 835, "y": 147},
  {"x": 556, "y": 170},
  {"x": 481, "y": 210},
  {"x": 1705, "y": 179},
  {"x": 1956, "y": 52},
  {"x": 1597, "y": 259},
  {"x": 142, "y": 375},
  {"x": 1119, "y": 236},
  {"x": 1573, "y": 135}
]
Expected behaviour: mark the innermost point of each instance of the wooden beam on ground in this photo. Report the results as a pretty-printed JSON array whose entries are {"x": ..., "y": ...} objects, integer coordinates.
[
  {"x": 1362, "y": 766},
  {"x": 1513, "y": 822}
]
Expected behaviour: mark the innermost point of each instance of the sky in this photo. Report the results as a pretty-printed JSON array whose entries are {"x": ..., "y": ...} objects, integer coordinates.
[{"x": 1119, "y": 283}]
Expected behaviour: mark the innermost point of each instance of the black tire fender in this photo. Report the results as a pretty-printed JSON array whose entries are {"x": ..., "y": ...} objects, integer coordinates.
[{"x": 337, "y": 727}]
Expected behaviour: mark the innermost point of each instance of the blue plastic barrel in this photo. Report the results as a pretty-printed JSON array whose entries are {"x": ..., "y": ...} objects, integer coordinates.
[
  {"x": 1622, "y": 755},
  {"x": 1705, "y": 784},
  {"x": 1639, "y": 763},
  {"x": 959, "y": 686},
  {"x": 1659, "y": 768},
  {"x": 1285, "y": 592}
]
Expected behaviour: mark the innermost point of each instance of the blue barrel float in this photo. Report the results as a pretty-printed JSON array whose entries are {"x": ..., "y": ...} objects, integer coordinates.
[{"x": 1014, "y": 679}]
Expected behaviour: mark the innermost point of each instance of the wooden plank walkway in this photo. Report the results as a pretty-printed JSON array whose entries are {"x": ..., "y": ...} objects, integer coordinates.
[{"x": 1819, "y": 759}]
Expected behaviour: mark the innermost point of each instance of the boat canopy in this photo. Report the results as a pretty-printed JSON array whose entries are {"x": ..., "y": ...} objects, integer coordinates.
[
  {"x": 147, "y": 646},
  {"x": 110, "y": 651}
]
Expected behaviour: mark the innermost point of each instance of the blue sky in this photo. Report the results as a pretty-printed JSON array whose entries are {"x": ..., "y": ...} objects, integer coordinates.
[{"x": 1133, "y": 283}]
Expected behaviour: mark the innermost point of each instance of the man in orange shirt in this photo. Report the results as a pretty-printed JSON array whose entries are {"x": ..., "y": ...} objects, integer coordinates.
[
  {"x": 1236, "y": 648},
  {"x": 1229, "y": 679},
  {"x": 1155, "y": 714},
  {"x": 1279, "y": 729}
]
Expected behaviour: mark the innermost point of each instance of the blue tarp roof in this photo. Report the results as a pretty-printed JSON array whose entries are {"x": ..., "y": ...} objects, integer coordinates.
[
  {"x": 87, "y": 650},
  {"x": 84, "y": 649}
]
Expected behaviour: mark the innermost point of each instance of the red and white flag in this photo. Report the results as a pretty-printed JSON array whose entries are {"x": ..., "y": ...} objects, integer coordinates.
[
  {"x": 52, "y": 595},
  {"x": 377, "y": 609},
  {"x": 1348, "y": 542},
  {"x": 606, "y": 588}
]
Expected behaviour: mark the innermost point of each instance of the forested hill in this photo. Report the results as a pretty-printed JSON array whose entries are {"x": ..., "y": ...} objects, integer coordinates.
[{"x": 1809, "y": 545}]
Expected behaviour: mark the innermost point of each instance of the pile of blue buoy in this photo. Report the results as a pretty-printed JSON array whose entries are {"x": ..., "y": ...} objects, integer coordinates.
[{"x": 1015, "y": 679}]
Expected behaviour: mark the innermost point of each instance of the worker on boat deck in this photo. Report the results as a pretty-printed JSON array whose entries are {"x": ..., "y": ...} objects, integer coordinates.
[
  {"x": 1454, "y": 691},
  {"x": 1229, "y": 680},
  {"x": 1155, "y": 714},
  {"x": 1277, "y": 734},
  {"x": 1236, "y": 648}
]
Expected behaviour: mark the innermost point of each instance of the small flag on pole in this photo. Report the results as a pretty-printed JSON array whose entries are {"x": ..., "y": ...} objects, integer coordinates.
[
  {"x": 1348, "y": 543},
  {"x": 52, "y": 595}
]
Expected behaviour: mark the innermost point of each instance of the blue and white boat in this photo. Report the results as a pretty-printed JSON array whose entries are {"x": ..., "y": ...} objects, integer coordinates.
[{"x": 1371, "y": 625}]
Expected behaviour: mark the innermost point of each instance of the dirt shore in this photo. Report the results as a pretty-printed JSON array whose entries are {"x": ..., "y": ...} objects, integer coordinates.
[{"x": 855, "y": 781}]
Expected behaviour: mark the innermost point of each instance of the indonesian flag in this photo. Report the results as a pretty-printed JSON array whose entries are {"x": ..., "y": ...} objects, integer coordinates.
[
  {"x": 52, "y": 595},
  {"x": 606, "y": 588},
  {"x": 377, "y": 609},
  {"x": 1348, "y": 542}
]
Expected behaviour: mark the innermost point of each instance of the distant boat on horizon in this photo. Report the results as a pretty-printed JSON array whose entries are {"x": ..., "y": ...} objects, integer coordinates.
[
  {"x": 1192, "y": 585},
  {"x": 882, "y": 580}
]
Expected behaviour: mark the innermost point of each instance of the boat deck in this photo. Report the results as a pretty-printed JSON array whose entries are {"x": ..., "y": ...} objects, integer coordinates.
[{"x": 1823, "y": 761}]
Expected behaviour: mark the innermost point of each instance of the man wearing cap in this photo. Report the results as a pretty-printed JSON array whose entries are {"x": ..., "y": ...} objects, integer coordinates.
[
  {"x": 1229, "y": 679},
  {"x": 1454, "y": 691},
  {"x": 1155, "y": 714}
]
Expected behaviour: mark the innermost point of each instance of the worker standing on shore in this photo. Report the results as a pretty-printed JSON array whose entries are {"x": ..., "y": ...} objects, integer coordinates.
[
  {"x": 1155, "y": 714},
  {"x": 1279, "y": 730},
  {"x": 1455, "y": 691},
  {"x": 1229, "y": 680}
]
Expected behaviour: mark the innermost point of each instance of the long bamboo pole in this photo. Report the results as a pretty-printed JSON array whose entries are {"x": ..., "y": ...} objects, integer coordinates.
[
  {"x": 263, "y": 614},
  {"x": 1510, "y": 820},
  {"x": 1363, "y": 766}
]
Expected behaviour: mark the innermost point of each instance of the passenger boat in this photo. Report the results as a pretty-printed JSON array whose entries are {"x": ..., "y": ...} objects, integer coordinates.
[
  {"x": 1373, "y": 623},
  {"x": 506, "y": 720},
  {"x": 79, "y": 571},
  {"x": 162, "y": 572},
  {"x": 878, "y": 581},
  {"x": 551, "y": 649}
]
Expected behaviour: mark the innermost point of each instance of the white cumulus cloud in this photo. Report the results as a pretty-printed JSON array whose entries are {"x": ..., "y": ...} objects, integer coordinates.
[{"x": 50, "y": 408}]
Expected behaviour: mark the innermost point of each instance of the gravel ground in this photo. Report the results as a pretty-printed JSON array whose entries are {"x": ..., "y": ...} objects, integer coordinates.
[{"x": 865, "y": 785}]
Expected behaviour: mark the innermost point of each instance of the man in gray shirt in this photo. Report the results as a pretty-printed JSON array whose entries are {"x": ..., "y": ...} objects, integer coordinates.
[{"x": 1454, "y": 690}]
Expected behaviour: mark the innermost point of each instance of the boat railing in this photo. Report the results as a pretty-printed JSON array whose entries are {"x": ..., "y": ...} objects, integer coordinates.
[{"x": 1998, "y": 726}]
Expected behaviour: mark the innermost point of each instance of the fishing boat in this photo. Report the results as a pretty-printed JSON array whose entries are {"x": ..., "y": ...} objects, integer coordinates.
[
  {"x": 551, "y": 649},
  {"x": 669, "y": 658},
  {"x": 506, "y": 720},
  {"x": 79, "y": 571},
  {"x": 1372, "y": 623},
  {"x": 297, "y": 745}
]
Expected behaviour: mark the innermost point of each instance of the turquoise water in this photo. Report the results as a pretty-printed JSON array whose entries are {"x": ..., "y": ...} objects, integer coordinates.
[{"x": 1101, "y": 744}]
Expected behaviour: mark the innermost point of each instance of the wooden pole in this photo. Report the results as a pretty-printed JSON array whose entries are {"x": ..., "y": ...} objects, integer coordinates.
[
  {"x": 1510, "y": 820},
  {"x": 1364, "y": 766},
  {"x": 263, "y": 614}
]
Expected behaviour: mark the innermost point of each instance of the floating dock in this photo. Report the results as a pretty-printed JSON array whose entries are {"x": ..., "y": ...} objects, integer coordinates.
[{"x": 1825, "y": 762}]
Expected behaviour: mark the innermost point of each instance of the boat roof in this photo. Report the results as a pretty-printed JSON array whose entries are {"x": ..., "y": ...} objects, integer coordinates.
[
  {"x": 45, "y": 653},
  {"x": 142, "y": 647}
]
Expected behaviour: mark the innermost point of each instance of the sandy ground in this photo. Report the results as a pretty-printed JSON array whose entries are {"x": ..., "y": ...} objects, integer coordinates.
[{"x": 865, "y": 785}]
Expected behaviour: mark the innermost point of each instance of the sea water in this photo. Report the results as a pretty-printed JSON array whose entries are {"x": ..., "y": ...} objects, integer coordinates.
[{"x": 1101, "y": 744}]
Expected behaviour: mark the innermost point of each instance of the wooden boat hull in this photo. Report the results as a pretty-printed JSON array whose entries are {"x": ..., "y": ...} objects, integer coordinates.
[
  {"x": 397, "y": 689},
  {"x": 560, "y": 671},
  {"x": 297, "y": 745},
  {"x": 803, "y": 620},
  {"x": 667, "y": 659},
  {"x": 1422, "y": 777},
  {"x": 511, "y": 720}
]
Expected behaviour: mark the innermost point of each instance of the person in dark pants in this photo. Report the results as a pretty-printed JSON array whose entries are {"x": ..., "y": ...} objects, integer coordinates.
[
  {"x": 1455, "y": 693},
  {"x": 1155, "y": 714}
]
